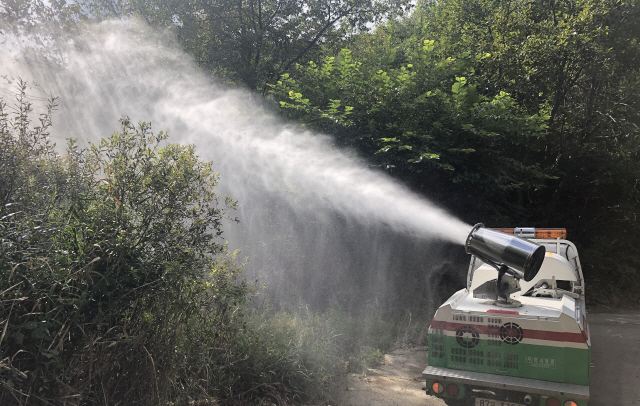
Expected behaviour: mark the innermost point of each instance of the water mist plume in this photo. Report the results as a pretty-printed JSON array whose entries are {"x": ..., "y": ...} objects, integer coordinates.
[{"x": 299, "y": 195}]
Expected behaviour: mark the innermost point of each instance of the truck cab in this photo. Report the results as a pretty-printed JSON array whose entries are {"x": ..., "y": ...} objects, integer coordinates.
[{"x": 531, "y": 348}]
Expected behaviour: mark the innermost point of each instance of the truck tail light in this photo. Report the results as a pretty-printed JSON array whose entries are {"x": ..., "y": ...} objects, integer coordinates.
[
  {"x": 438, "y": 388},
  {"x": 552, "y": 402},
  {"x": 570, "y": 403},
  {"x": 453, "y": 390}
]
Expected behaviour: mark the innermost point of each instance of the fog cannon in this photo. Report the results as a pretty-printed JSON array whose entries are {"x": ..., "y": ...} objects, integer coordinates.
[
  {"x": 499, "y": 249},
  {"x": 514, "y": 258}
]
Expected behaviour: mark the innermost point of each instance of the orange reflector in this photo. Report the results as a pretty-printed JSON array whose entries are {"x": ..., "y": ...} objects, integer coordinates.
[
  {"x": 438, "y": 388},
  {"x": 551, "y": 233},
  {"x": 502, "y": 311},
  {"x": 570, "y": 403},
  {"x": 505, "y": 230},
  {"x": 538, "y": 232}
]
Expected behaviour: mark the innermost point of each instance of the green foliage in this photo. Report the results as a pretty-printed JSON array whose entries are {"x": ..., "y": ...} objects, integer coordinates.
[
  {"x": 510, "y": 112},
  {"x": 42, "y": 22},
  {"x": 577, "y": 63},
  {"x": 425, "y": 115},
  {"x": 111, "y": 273}
]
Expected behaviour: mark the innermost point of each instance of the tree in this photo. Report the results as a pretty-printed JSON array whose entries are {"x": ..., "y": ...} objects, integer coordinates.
[
  {"x": 579, "y": 63},
  {"x": 423, "y": 119},
  {"x": 251, "y": 42},
  {"x": 519, "y": 113},
  {"x": 28, "y": 18}
]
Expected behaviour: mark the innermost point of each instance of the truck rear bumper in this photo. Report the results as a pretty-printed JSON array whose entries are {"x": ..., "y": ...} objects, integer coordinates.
[{"x": 533, "y": 386}]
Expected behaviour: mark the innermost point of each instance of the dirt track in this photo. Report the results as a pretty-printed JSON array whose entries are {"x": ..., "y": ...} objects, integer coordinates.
[
  {"x": 615, "y": 375},
  {"x": 397, "y": 382}
]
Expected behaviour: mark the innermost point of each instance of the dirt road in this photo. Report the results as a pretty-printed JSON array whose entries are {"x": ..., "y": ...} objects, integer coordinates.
[
  {"x": 397, "y": 382},
  {"x": 615, "y": 356},
  {"x": 615, "y": 375}
]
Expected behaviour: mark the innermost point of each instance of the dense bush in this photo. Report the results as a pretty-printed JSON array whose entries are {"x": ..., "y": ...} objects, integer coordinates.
[
  {"x": 112, "y": 276},
  {"x": 115, "y": 288}
]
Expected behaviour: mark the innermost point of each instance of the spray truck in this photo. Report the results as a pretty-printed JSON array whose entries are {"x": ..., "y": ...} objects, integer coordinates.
[{"x": 517, "y": 335}]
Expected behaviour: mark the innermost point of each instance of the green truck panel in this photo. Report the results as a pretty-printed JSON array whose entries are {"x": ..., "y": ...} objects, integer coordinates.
[{"x": 558, "y": 364}]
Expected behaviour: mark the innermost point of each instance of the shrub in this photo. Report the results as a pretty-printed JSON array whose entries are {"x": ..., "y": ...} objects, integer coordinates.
[{"x": 112, "y": 274}]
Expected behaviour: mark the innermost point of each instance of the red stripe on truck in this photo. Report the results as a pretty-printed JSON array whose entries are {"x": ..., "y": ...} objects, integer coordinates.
[{"x": 528, "y": 333}]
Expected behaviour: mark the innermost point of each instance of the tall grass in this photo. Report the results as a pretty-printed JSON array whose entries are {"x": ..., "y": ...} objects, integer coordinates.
[{"x": 303, "y": 355}]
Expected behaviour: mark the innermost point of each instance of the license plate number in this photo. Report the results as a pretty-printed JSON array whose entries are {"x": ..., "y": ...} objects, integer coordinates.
[{"x": 493, "y": 402}]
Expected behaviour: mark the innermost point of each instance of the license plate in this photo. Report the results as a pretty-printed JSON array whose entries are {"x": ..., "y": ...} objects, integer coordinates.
[{"x": 493, "y": 402}]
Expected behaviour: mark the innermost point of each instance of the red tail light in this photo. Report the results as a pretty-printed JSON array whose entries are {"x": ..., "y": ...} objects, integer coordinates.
[
  {"x": 502, "y": 311},
  {"x": 453, "y": 390},
  {"x": 552, "y": 402}
]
